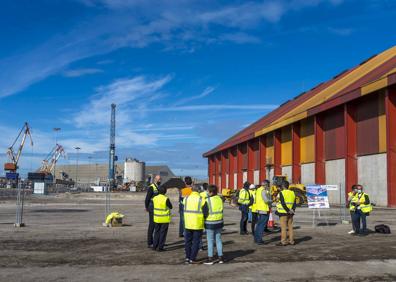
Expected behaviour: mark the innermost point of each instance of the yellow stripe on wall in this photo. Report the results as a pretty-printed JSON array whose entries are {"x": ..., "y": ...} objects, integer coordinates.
[
  {"x": 286, "y": 146},
  {"x": 307, "y": 141}
]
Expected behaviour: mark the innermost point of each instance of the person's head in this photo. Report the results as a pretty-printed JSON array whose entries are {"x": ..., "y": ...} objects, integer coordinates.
[
  {"x": 246, "y": 185},
  {"x": 157, "y": 179},
  {"x": 357, "y": 188},
  {"x": 162, "y": 190},
  {"x": 205, "y": 186},
  {"x": 252, "y": 186},
  {"x": 212, "y": 190},
  {"x": 266, "y": 184},
  {"x": 188, "y": 180},
  {"x": 196, "y": 188},
  {"x": 284, "y": 185}
]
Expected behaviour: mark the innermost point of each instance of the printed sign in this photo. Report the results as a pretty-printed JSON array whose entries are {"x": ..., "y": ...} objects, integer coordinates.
[
  {"x": 317, "y": 197},
  {"x": 331, "y": 187}
]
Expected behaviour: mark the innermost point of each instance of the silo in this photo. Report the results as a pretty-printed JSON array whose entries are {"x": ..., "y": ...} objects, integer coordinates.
[{"x": 133, "y": 170}]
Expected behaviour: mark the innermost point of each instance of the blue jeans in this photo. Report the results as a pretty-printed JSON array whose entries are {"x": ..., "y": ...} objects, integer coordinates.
[
  {"x": 262, "y": 220},
  {"x": 192, "y": 240},
  {"x": 244, "y": 218},
  {"x": 356, "y": 217},
  {"x": 211, "y": 235}
]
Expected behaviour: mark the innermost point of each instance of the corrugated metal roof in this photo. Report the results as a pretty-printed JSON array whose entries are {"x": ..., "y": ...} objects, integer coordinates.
[{"x": 368, "y": 72}]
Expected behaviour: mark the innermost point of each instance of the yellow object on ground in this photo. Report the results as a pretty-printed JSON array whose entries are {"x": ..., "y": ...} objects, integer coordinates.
[{"x": 114, "y": 219}]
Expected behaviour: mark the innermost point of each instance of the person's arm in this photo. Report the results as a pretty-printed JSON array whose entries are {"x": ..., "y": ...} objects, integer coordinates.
[
  {"x": 266, "y": 197},
  {"x": 149, "y": 195},
  {"x": 205, "y": 210},
  {"x": 151, "y": 206},
  {"x": 294, "y": 205},
  {"x": 169, "y": 204},
  {"x": 282, "y": 201}
]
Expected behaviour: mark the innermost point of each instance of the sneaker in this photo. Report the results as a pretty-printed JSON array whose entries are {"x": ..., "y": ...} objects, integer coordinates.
[
  {"x": 292, "y": 243},
  {"x": 281, "y": 244},
  {"x": 150, "y": 246},
  {"x": 260, "y": 243},
  {"x": 351, "y": 232},
  {"x": 161, "y": 250},
  {"x": 210, "y": 261},
  {"x": 194, "y": 262},
  {"x": 186, "y": 261},
  {"x": 221, "y": 260}
]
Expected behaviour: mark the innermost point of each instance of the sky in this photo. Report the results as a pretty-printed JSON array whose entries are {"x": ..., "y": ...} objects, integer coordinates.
[{"x": 185, "y": 75}]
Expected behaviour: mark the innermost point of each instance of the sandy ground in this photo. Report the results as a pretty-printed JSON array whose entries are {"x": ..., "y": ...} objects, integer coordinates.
[{"x": 64, "y": 241}]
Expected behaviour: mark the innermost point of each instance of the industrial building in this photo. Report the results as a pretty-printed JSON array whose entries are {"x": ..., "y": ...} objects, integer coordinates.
[
  {"x": 98, "y": 173},
  {"x": 342, "y": 131}
]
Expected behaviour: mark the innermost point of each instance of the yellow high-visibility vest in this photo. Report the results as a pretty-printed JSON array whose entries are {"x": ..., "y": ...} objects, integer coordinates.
[
  {"x": 155, "y": 188},
  {"x": 161, "y": 210},
  {"x": 289, "y": 198},
  {"x": 204, "y": 195},
  {"x": 261, "y": 206},
  {"x": 252, "y": 193},
  {"x": 360, "y": 199},
  {"x": 193, "y": 215},
  {"x": 244, "y": 197},
  {"x": 215, "y": 206}
]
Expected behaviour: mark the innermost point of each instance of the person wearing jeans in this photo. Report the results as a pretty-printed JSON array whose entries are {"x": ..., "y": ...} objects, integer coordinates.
[
  {"x": 262, "y": 204},
  {"x": 244, "y": 201},
  {"x": 214, "y": 224}
]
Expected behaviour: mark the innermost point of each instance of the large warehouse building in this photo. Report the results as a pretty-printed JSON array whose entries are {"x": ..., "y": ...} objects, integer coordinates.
[{"x": 342, "y": 131}]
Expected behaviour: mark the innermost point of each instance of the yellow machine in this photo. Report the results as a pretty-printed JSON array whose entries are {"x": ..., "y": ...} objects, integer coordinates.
[
  {"x": 227, "y": 193},
  {"x": 298, "y": 189}
]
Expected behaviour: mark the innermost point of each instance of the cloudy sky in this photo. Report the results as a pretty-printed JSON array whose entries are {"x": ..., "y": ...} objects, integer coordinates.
[{"x": 185, "y": 74}]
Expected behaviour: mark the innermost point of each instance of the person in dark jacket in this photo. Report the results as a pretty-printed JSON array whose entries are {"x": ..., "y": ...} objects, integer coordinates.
[
  {"x": 161, "y": 207},
  {"x": 214, "y": 224},
  {"x": 152, "y": 191},
  {"x": 244, "y": 201}
]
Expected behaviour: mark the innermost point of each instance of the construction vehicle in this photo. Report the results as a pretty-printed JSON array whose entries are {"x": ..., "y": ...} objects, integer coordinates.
[
  {"x": 48, "y": 164},
  {"x": 12, "y": 165},
  {"x": 297, "y": 188}
]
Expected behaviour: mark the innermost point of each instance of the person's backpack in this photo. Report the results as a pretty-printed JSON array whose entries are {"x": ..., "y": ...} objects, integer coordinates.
[{"x": 383, "y": 229}]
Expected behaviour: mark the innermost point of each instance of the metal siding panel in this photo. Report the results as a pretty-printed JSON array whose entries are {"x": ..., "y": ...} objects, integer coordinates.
[
  {"x": 368, "y": 125},
  {"x": 307, "y": 140},
  {"x": 270, "y": 148},
  {"x": 382, "y": 123},
  {"x": 286, "y": 146},
  {"x": 334, "y": 134}
]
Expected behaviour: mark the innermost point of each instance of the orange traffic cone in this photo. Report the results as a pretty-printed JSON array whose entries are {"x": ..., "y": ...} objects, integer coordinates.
[{"x": 270, "y": 223}]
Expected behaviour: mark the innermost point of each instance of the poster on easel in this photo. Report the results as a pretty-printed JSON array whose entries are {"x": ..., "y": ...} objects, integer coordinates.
[{"x": 317, "y": 197}]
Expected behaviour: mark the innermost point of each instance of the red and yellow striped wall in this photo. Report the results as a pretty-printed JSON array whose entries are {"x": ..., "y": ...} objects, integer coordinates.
[{"x": 351, "y": 115}]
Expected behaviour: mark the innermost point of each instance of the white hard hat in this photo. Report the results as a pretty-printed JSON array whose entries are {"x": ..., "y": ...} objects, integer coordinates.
[{"x": 252, "y": 186}]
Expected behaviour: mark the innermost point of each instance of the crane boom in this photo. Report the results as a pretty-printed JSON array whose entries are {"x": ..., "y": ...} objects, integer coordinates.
[
  {"x": 14, "y": 157},
  {"x": 53, "y": 156}
]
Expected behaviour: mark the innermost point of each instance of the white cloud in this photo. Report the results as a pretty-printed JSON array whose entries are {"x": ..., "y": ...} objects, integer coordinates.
[
  {"x": 81, "y": 72},
  {"x": 174, "y": 24},
  {"x": 206, "y": 92}
]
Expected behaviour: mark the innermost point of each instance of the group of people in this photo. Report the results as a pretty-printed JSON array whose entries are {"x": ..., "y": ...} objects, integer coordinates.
[
  {"x": 257, "y": 202},
  {"x": 201, "y": 210}
]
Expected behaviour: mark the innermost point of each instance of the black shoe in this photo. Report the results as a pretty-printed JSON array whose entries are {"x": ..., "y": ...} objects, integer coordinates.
[
  {"x": 181, "y": 236},
  {"x": 260, "y": 243},
  {"x": 161, "y": 250},
  {"x": 210, "y": 261},
  {"x": 186, "y": 261},
  {"x": 150, "y": 246},
  {"x": 194, "y": 262},
  {"x": 221, "y": 260},
  {"x": 280, "y": 244}
]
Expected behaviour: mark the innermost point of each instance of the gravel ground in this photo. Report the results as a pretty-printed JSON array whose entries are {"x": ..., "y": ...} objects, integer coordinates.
[{"x": 64, "y": 241}]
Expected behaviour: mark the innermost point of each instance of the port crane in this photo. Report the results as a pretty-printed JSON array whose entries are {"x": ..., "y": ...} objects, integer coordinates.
[
  {"x": 49, "y": 162},
  {"x": 13, "y": 155}
]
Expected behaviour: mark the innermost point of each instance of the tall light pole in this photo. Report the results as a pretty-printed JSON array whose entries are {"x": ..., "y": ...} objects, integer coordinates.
[
  {"x": 56, "y": 130},
  {"x": 77, "y": 150}
]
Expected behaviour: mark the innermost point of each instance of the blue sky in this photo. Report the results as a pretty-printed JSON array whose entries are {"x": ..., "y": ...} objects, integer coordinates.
[{"x": 185, "y": 75}]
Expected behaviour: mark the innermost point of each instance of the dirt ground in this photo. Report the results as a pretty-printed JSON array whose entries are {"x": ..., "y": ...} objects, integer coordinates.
[{"x": 64, "y": 241}]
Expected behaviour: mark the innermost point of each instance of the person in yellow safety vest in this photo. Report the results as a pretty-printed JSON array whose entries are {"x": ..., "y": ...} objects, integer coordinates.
[
  {"x": 184, "y": 192},
  {"x": 161, "y": 206},
  {"x": 263, "y": 201},
  {"x": 195, "y": 210},
  {"x": 204, "y": 194},
  {"x": 360, "y": 207},
  {"x": 252, "y": 209},
  {"x": 350, "y": 197},
  {"x": 151, "y": 192},
  {"x": 244, "y": 201},
  {"x": 214, "y": 224},
  {"x": 285, "y": 209}
]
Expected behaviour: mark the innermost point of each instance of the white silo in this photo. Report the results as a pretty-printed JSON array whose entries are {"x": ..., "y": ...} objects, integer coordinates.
[{"x": 133, "y": 170}]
